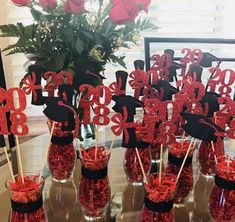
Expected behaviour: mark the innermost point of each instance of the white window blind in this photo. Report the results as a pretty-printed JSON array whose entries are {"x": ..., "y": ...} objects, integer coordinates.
[{"x": 181, "y": 18}]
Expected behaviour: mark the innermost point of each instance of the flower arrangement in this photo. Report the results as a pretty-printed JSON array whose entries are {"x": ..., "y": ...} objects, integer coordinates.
[{"x": 77, "y": 35}]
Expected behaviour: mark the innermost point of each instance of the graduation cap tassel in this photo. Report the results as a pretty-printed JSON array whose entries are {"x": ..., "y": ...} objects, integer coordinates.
[
  {"x": 47, "y": 149},
  {"x": 141, "y": 165},
  {"x": 19, "y": 158},
  {"x": 161, "y": 163},
  {"x": 192, "y": 144}
]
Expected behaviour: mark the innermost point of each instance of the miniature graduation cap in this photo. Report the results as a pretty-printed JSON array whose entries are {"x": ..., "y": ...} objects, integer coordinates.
[
  {"x": 139, "y": 64},
  {"x": 166, "y": 89},
  {"x": 200, "y": 127},
  {"x": 210, "y": 99},
  {"x": 174, "y": 66},
  {"x": 195, "y": 71},
  {"x": 131, "y": 104},
  {"x": 87, "y": 77},
  {"x": 121, "y": 78},
  {"x": 2, "y": 141},
  {"x": 60, "y": 110},
  {"x": 207, "y": 60}
]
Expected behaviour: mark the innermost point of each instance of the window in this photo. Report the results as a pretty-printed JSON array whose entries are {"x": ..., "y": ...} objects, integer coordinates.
[{"x": 182, "y": 18}]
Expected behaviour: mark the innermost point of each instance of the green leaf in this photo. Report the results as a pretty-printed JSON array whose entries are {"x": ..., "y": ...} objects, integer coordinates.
[
  {"x": 80, "y": 46},
  {"x": 119, "y": 60},
  {"x": 36, "y": 14},
  {"x": 55, "y": 63}
]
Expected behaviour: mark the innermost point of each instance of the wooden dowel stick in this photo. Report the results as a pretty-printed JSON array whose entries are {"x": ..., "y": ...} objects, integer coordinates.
[
  {"x": 47, "y": 149},
  {"x": 182, "y": 141},
  {"x": 9, "y": 164},
  {"x": 19, "y": 158},
  {"x": 97, "y": 142},
  {"x": 112, "y": 143},
  {"x": 161, "y": 163},
  {"x": 213, "y": 149},
  {"x": 186, "y": 155},
  {"x": 141, "y": 165}
]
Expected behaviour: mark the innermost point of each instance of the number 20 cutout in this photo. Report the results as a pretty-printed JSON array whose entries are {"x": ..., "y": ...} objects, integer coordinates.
[{"x": 17, "y": 117}]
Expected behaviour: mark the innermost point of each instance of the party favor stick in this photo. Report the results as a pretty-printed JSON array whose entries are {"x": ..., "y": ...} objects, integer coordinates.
[
  {"x": 141, "y": 165},
  {"x": 112, "y": 143},
  {"x": 213, "y": 149},
  {"x": 97, "y": 141},
  {"x": 3, "y": 144},
  {"x": 47, "y": 149},
  {"x": 183, "y": 138},
  {"x": 19, "y": 158},
  {"x": 161, "y": 163},
  {"x": 186, "y": 155}
]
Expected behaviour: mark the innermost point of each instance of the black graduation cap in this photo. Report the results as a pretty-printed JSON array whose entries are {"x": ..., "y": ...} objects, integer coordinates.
[
  {"x": 38, "y": 70},
  {"x": 131, "y": 104},
  {"x": 195, "y": 70},
  {"x": 121, "y": 75},
  {"x": 207, "y": 60},
  {"x": 65, "y": 91},
  {"x": 211, "y": 99},
  {"x": 2, "y": 141},
  {"x": 200, "y": 127},
  {"x": 139, "y": 64},
  {"x": 60, "y": 113},
  {"x": 87, "y": 77},
  {"x": 167, "y": 89}
]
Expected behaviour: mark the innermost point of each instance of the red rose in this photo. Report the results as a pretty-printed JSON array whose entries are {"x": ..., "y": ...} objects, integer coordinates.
[
  {"x": 124, "y": 11},
  {"x": 21, "y": 2},
  {"x": 48, "y": 4},
  {"x": 74, "y": 6}
]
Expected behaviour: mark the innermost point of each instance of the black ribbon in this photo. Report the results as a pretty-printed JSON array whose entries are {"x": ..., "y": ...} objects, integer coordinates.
[
  {"x": 178, "y": 161},
  {"x": 94, "y": 174},
  {"x": 27, "y": 207},
  {"x": 224, "y": 184},
  {"x": 164, "y": 206},
  {"x": 63, "y": 140}
]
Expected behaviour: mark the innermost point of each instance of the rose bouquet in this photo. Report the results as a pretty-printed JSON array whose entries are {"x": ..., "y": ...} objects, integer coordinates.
[{"x": 77, "y": 35}]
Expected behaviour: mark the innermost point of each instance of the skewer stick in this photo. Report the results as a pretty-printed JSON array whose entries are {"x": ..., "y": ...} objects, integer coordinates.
[
  {"x": 47, "y": 149},
  {"x": 112, "y": 143},
  {"x": 97, "y": 141},
  {"x": 19, "y": 158},
  {"x": 213, "y": 149},
  {"x": 9, "y": 164},
  {"x": 141, "y": 165},
  {"x": 185, "y": 157},
  {"x": 161, "y": 162},
  {"x": 182, "y": 141}
]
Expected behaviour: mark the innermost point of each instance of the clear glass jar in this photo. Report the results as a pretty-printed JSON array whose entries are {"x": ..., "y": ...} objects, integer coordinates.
[
  {"x": 94, "y": 189},
  {"x": 132, "y": 165},
  {"x": 61, "y": 156},
  {"x": 176, "y": 156},
  {"x": 206, "y": 156},
  {"x": 158, "y": 203},
  {"x": 222, "y": 198},
  {"x": 26, "y": 199}
]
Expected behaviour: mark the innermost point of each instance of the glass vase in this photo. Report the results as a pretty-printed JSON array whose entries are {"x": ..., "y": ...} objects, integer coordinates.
[
  {"x": 158, "y": 202},
  {"x": 176, "y": 156},
  {"x": 206, "y": 156},
  {"x": 132, "y": 166},
  {"x": 222, "y": 198},
  {"x": 61, "y": 156},
  {"x": 26, "y": 199},
  {"x": 94, "y": 190}
]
